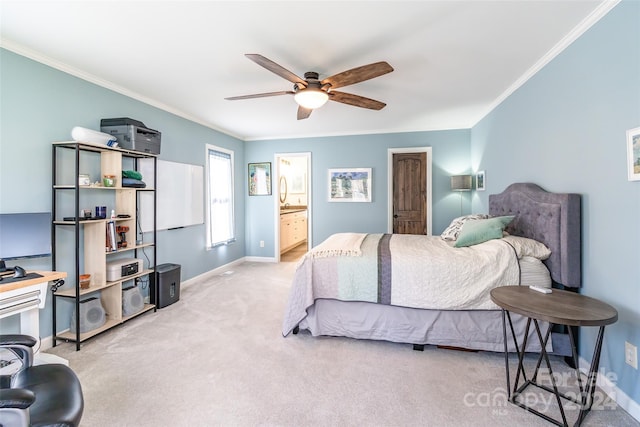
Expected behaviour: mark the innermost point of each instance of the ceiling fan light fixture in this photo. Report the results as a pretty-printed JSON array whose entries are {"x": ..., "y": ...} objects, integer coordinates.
[{"x": 311, "y": 98}]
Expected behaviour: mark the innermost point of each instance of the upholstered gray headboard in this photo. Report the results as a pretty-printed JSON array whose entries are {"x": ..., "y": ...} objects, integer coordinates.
[{"x": 550, "y": 218}]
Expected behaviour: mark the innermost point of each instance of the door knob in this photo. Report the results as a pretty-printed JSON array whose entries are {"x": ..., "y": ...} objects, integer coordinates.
[{"x": 395, "y": 216}]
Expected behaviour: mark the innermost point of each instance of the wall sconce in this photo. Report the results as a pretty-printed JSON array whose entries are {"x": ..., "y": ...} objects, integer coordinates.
[{"x": 461, "y": 183}]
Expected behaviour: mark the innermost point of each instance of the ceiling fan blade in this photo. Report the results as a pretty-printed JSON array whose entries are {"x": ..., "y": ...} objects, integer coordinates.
[
  {"x": 260, "y": 95},
  {"x": 359, "y": 74},
  {"x": 275, "y": 68},
  {"x": 356, "y": 100},
  {"x": 303, "y": 113}
]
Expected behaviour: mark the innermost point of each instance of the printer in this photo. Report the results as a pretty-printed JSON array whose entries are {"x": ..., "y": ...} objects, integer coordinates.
[{"x": 132, "y": 134}]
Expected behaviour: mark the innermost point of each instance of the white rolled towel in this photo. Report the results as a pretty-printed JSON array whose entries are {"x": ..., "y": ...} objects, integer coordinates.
[{"x": 81, "y": 134}]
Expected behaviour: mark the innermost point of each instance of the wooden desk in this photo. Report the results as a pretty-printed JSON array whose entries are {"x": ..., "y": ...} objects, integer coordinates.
[
  {"x": 562, "y": 308},
  {"x": 26, "y": 297}
]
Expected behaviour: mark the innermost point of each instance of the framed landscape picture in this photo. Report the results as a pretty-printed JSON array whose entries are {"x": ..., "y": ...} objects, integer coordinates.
[
  {"x": 350, "y": 185},
  {"x": 633, "y": 154},
  {"x": 260, "y": 179},
  {"x": 480, "y": 182}
]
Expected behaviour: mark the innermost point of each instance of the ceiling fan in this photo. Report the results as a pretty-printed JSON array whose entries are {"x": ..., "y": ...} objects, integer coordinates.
[{"x": 311, "y": 93}]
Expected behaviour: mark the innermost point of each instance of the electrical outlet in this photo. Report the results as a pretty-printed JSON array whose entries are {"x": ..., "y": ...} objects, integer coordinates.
[
  {"x": 262, "y": 243},
  {"x": 631, "y": 354}
]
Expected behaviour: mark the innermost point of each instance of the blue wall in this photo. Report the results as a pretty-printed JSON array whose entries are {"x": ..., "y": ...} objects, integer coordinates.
[
  {"x": 450, "y": 152},
  {"x": 41, "y": 105},
  {"x": 565, "y": 130}
]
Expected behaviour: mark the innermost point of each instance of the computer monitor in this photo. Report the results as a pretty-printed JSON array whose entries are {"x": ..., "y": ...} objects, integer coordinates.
[{"x": 25, "y": 235}]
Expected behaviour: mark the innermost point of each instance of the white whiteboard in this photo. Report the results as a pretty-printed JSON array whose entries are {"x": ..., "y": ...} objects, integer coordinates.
[{"x": 180, "y": 195}]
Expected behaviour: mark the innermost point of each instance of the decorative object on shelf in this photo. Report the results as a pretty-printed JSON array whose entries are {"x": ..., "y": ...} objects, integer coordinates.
[
  {"x": 85, "y": 281},
  {"x": 260, "y": 179},
  {"x": 122, "y": 231},
  {"x": 109, "y": 180},
  {"x": 480, "y": 181},
  {"x": 633, "y": 154},
  {"x": 350, "y": 185},
  {"x": 84, "y": 179},
  {"x": 101, "y": 212}
]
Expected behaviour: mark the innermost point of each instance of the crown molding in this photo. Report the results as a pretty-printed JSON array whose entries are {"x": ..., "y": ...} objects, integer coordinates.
[{"x": 597, "y": 14}]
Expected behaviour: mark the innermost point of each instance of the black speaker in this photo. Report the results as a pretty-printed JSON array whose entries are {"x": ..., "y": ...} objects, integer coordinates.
[
  {"x": 132, "y": 301},
  {"x": 92, "y": 315},
  {"x": 166, "y": 290}
]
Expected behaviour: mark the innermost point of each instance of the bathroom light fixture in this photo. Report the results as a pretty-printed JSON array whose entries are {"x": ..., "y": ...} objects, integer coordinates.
[{"x": 311, "y": 98}]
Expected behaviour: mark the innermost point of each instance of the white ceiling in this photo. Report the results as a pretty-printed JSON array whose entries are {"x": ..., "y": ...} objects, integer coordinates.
[{"x": 454, "y": 60}]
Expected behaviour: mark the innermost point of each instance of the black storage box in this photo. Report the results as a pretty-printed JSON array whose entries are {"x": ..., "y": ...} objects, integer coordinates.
[
  {"x": 132, "y": 134},
  {"x": 167, "y": 290}
]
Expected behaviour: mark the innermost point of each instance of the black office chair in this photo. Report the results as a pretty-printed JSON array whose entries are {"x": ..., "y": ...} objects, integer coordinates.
[{"x": 42, "y": 395}]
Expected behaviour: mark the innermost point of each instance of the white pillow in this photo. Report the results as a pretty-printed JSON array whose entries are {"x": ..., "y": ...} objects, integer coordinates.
[
  {"x": 534, "y": 272},
  {"x": 452, "y": 231},
  {"x": 528, "y": 247}
]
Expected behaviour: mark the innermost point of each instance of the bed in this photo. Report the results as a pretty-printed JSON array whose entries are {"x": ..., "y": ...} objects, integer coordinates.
[{"x": 326, "y": 299}]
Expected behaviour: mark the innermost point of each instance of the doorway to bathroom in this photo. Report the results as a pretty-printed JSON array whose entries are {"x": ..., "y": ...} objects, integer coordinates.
[{"x": 293, "y": 205}]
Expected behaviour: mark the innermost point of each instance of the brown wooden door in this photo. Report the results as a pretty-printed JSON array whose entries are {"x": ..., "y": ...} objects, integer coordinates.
[{"x": 410, "y": 193}]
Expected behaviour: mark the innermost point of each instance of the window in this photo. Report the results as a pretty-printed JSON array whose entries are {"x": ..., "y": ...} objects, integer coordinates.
[{"x": 220, "y": 226}]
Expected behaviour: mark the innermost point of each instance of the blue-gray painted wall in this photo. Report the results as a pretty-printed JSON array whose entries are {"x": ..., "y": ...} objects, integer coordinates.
[
  {"x": 565, "y": 130},
  {"x": 450, "y": 154},
  {"x": 41, "y": 105}
]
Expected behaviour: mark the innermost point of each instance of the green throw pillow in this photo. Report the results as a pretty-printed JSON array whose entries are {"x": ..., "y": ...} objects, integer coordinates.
[{"x": 481, "y": 230}]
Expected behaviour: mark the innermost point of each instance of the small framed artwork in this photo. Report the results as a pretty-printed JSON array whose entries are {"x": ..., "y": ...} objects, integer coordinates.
[
  {"x": 480, "y": 181},
  {"x": 633, "y": 154},
  {"x": 350, "y": 185},
  {"x": 260, "y": 179}
]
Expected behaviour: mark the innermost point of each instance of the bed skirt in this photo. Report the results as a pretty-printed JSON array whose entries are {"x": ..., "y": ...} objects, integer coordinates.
[{"x": 470, "y": 329}]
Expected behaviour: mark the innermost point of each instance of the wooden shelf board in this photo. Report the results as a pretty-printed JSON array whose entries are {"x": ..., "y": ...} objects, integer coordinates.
[
  {"x": 71, "y": 336},
  {"x": 133, "y": 276},
  {"x": 147, "y": 307},
  {"x": 130, "y": 248},
  {"x": 72, "y": 292}
]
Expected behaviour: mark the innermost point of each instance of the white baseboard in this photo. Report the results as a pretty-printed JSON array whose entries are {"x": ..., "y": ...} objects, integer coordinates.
[
  {"x": 46, "y": 343},
  {"x": 211, "y": 273},
  {"x": 223, "y": 268},
  {"x": 611, "y": 389},
  {"x": 260, "y": 259}
]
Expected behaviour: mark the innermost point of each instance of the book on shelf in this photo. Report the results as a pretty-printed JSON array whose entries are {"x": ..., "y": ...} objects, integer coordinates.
[{"x": 111, "y": 244}]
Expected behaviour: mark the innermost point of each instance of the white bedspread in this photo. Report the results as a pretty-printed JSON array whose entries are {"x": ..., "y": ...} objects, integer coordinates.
[{"x": 425, "y": 272}]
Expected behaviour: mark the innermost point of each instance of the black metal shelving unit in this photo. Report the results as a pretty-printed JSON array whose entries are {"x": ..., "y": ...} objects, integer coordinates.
[{"x": 94, "y": 258}]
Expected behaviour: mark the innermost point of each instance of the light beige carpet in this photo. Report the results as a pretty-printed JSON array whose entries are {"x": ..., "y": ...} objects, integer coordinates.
[{"x": 217, "y": 358}]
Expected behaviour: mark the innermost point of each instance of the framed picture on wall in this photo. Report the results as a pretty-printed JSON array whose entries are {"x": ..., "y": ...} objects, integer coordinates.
[
  {"x": 350, "y": 185},
  {"x": 260, "y": 179},
  {"x": 633, "y": 154},
  {"x": 480, "y": 181}
]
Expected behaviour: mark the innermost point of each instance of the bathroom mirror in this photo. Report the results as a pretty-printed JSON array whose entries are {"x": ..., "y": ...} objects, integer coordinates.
[{"x": 283, "y": 189}]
